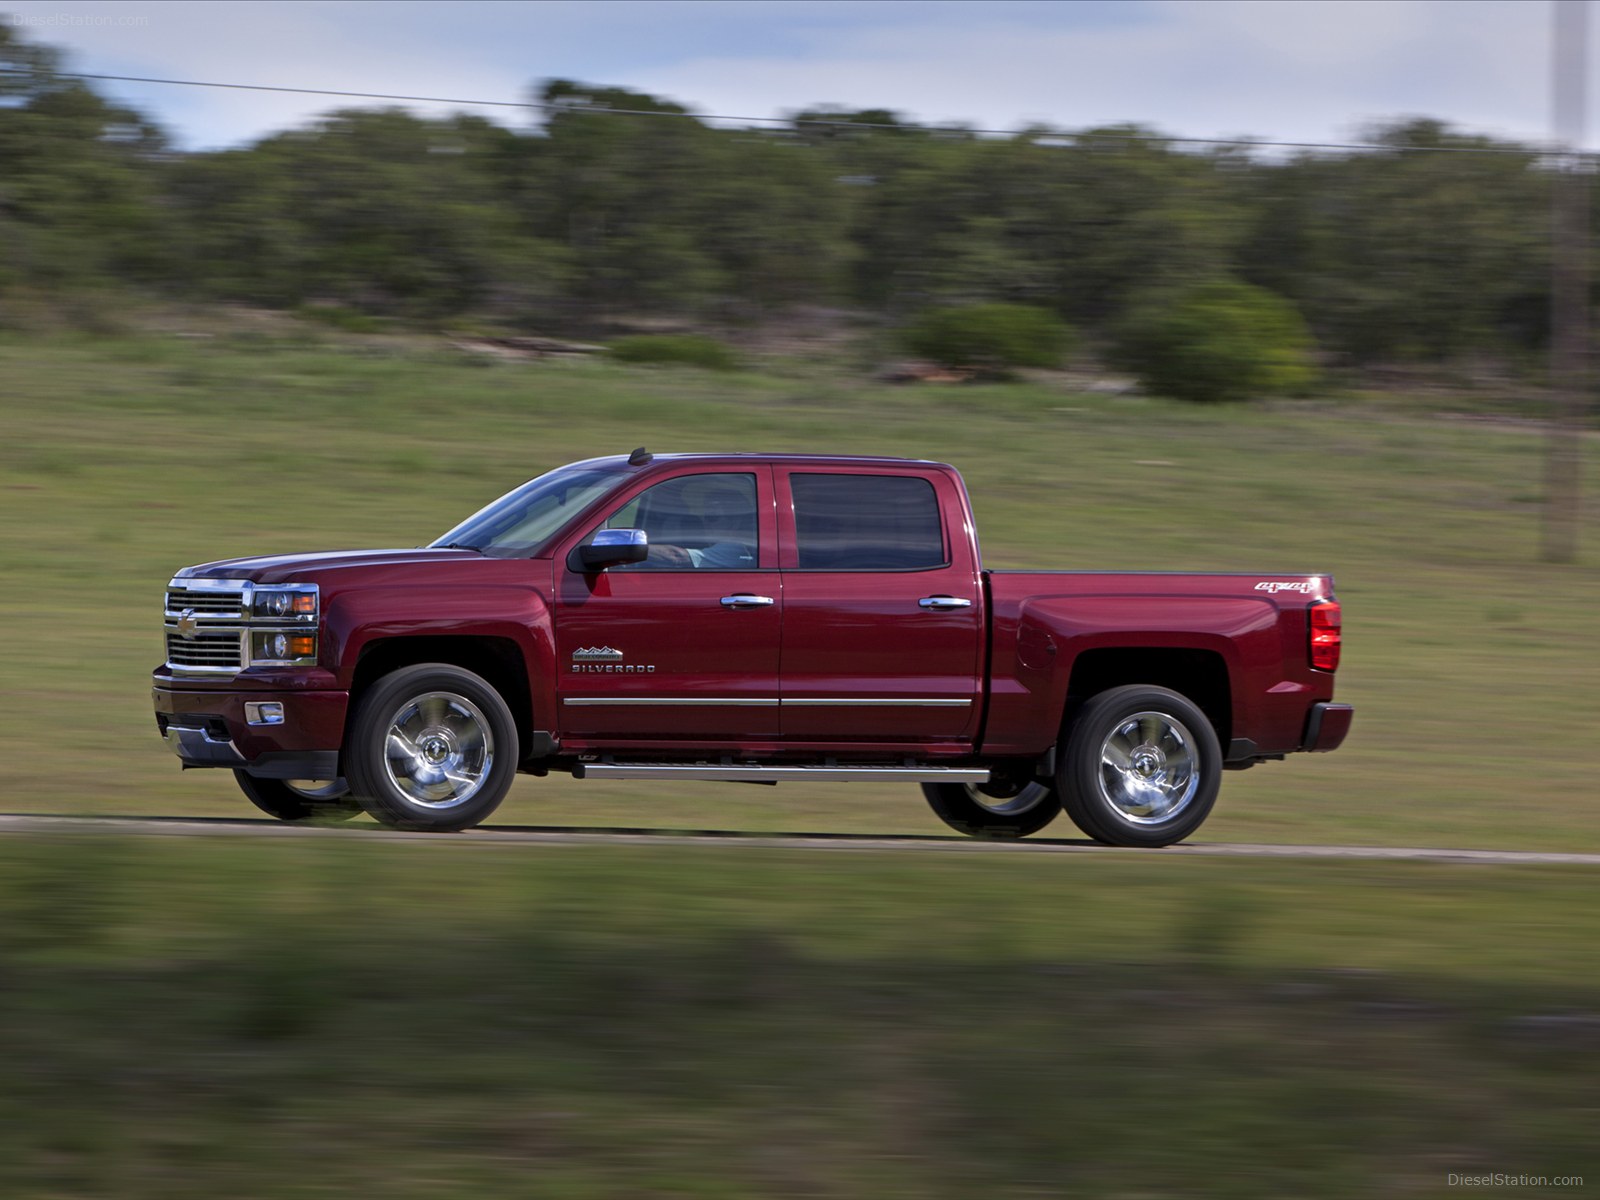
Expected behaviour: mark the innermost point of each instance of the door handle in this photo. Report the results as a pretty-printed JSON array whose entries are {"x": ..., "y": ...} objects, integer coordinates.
[
  {"x": 746, "y": 600},
  {"x": 944, "y": 602}
]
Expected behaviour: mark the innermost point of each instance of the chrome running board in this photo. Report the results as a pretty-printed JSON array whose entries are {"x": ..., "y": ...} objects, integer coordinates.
[{"x": 797, "y": 774}]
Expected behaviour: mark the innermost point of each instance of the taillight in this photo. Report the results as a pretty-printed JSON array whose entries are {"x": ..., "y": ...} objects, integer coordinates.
[{"x": 1325, "y": 635}]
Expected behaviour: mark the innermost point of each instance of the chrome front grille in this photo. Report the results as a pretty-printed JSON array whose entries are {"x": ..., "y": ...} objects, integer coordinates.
[
  {"x": 206, "y": 650},
  {"x": 210, "y": 603},
  {"x": 206, "y": 623},
  {"x": 212, "y": 626}
]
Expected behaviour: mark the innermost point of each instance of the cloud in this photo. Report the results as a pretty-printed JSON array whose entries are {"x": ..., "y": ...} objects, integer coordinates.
[
  {"x": 1310, "y": 70},
  {"x": 332, "y": 46},
  {"x": 1291, "y": 69}
]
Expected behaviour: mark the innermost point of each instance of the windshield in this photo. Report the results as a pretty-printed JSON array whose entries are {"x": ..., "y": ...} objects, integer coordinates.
[{"x": 519, "y": 523}]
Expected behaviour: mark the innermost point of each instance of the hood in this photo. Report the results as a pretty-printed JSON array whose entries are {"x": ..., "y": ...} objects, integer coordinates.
[{"x": 289, "y": 568}]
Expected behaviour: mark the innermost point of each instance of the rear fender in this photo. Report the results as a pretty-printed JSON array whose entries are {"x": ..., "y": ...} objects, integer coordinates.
[{"x": 1031, "y": 688}]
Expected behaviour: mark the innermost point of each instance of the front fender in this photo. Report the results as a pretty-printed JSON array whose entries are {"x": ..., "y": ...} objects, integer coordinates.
[{"x": 354, "y": 619}]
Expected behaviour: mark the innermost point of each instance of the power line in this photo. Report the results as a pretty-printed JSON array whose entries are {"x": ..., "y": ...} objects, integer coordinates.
[{"x": 811, "y": 122}]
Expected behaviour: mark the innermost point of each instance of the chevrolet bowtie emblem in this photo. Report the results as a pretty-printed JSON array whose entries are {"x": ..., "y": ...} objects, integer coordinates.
[
  {"x": 187, "y": 624},
  {"x": 597, "y": 654}
]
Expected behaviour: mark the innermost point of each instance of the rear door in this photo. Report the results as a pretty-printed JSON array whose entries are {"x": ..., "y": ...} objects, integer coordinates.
[{"x": 883, "y": 613}]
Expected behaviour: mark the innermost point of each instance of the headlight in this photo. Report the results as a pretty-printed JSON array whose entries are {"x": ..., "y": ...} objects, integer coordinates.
[
  {"x": 282, "y": 649},
  {"x": 283, "y": 622},
  {"x": 292, "y": 604}
]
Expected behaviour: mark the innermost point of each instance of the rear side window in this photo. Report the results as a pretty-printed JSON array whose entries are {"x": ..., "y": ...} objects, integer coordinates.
[{"x": 866, "y": 522}]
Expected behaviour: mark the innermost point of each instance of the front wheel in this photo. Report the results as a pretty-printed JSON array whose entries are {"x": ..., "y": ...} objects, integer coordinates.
[
  {"x": 1141, "y": 767},
  {"x": 997, "y": 809},
  {"x": 432, "y": 748},
  {"x": 300, "y": 799}
]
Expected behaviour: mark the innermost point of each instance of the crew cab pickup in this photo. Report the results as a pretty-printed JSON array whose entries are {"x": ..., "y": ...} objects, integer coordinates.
[{"x": 755, "y": 618}]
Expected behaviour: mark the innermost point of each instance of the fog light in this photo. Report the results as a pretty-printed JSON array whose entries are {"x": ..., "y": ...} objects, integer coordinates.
[{"x": 266, "y": 713}]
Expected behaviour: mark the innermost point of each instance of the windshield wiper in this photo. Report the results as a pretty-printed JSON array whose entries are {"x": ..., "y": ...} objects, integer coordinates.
[{"x": 460, "y": 546}]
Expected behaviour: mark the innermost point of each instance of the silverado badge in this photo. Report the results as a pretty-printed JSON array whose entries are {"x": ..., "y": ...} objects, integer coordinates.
[{"x": 603, "y": 660}]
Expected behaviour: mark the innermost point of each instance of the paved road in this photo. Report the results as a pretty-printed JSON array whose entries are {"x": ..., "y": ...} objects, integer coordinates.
[{"x": 506, "y": 835}]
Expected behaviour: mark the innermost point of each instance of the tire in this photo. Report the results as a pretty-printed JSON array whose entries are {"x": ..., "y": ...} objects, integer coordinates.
[
  {"x": 1141, "y": 767},
  {"x": 432, "y": 748},
  {"x": 300, "y": 799},
  {"x": 999, "y": 809}
]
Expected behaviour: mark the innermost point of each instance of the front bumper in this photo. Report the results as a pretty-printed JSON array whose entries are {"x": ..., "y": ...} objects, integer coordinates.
[{"x": 209, "y": 729}]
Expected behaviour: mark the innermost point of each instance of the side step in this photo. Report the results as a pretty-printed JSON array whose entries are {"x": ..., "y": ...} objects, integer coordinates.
[{"x": 748, "y": 774}]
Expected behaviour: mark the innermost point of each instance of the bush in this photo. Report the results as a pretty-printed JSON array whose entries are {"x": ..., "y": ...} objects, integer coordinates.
[
  {"x": 337, "y": 316},
  {"x": 680, "y": 349},
  {"x": 990, "y": 336},
  {"x": 1223, "y": 340}
]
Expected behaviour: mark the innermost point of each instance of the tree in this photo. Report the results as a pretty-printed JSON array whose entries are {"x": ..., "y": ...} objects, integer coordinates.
[
  {"x": 1433, "y": 247},
  {"x": 616, "y": 202},
  {"x": 77, "y": 202},
  {"x": 377, "y": 209}
]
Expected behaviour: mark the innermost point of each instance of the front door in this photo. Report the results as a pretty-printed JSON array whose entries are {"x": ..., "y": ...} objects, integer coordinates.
[
  {"x": 883, "y": 612},
  {"x": 684, "y": 645}
]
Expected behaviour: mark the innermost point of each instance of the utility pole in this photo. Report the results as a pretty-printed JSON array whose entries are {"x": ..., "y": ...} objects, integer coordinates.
[{"x": 1569, "y": 287}]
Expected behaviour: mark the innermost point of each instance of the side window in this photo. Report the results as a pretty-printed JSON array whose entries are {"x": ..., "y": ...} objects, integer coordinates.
[
  {"x": 704, "y": 522},
  {"x": 866, "y": 522}
]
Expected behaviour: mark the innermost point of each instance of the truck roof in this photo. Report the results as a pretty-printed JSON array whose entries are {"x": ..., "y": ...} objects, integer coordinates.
[{"x": 641, "y": 457}]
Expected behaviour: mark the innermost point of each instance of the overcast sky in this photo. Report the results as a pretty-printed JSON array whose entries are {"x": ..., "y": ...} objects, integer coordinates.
[{"x": 1296, "y": 70}]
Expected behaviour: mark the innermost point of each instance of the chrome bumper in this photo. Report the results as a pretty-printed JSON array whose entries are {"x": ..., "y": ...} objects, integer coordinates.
[{"x": 197, "y": 748}]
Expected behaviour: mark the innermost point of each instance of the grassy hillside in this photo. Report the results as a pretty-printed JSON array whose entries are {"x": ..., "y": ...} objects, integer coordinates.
[{"x": 1471, "y": 665}]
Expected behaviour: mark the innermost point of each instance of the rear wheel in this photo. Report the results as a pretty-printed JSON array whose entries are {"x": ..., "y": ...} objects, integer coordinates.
[
  {"x": 1141, "y": 767},
  {"x": 432, "y": 748},
  {"x": 300, "y": 799},
  {"x": 1001, "y": 808}
]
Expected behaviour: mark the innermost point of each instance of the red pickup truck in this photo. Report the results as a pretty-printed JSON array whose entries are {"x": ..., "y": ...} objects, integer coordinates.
[{"x": 756, "y": 618}]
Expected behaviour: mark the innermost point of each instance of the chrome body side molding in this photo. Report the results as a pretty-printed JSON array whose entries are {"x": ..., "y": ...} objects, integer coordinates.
[{"x": 764, "y": 702}]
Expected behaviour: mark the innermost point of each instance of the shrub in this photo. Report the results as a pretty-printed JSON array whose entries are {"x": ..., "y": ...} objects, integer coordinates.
[
  {"x": 990, "y": 336},
  {"x": 680, "y": 349},
  {"x": 337, "y": 316},
  {"x": 1222, "y": 340}
]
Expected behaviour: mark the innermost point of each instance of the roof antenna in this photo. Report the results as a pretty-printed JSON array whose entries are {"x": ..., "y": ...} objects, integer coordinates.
[{"x": 639, "y": 457}]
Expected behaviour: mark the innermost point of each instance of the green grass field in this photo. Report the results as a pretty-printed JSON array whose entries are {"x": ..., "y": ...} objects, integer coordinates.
[
  {"x": 1471, "y": 665},
  {"x": 212, "y": 1017},
  {"x": 451, "y": 1018}
]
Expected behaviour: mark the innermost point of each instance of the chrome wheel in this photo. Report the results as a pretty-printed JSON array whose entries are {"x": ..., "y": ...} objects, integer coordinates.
[
  {"x": 299, "y": 799},
  {"x": 1007, "y": 799},
  {"x": 1005, "y": 807},
  {"x": 1149, "y": 768},
  {"x": 318, "y": 789},
  {"x": 431, "y": 747},
  {"x": 439, "y": 750}
]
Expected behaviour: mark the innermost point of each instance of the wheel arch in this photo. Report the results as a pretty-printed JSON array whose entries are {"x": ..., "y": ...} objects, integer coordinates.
[
  {"x": 1200, "y": 675},
  {"x": 499, "y": 661}
]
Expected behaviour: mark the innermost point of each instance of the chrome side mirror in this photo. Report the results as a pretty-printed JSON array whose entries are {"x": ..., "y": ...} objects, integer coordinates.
[{"x": 613, "y": 547}]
